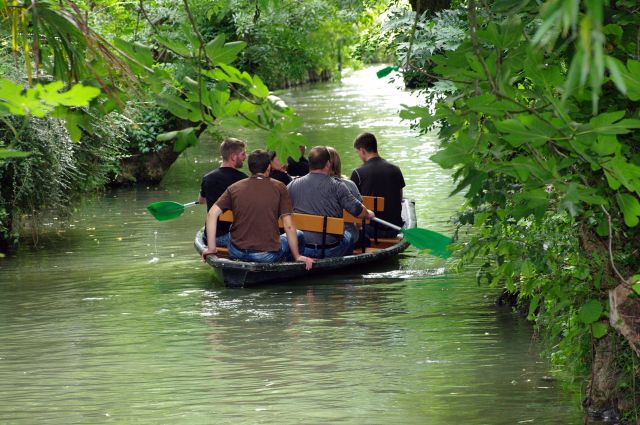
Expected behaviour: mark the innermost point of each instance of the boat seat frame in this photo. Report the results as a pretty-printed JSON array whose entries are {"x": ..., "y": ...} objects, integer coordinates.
[
  {"x": 305, "y": 222},
  {"x": 331, "y": 225}
]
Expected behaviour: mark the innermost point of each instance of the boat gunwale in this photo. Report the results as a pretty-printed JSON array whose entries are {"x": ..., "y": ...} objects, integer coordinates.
[{"x": 319, "y": 264}]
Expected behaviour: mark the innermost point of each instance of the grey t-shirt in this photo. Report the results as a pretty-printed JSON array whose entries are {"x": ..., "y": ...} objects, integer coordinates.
[{"x": 319, "y": 194}]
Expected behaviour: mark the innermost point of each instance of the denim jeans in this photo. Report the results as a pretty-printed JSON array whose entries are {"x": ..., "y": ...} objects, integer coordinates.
[
  {"x": 220, "y": 240},
  {"x": 265, "y": 256},
  {"x": 345, "y": 247}
]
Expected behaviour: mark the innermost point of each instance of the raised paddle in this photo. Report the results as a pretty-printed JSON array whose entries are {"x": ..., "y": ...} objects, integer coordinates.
[
  {"x": 423, "y": 238},
  {"x": 168, "y": 210}
]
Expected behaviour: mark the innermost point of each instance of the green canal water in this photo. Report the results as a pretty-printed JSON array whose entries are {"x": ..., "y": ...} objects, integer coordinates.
[{"x": 115, "y": 320}]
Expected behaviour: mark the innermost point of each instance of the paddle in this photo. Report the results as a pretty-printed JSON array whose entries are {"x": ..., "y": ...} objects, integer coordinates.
[
  {"x": 168, "y": 210},
  {"x": 423, "y": 238}
]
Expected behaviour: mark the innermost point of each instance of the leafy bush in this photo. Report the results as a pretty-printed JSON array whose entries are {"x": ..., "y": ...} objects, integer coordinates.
[{"x": 55, "y": 173}]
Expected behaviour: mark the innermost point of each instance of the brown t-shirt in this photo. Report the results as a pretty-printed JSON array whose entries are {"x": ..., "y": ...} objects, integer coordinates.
[{"x": 257, "y": 203}]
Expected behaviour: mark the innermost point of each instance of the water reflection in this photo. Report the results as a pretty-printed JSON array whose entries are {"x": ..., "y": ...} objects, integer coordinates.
[{"x": 116, "y": 320}]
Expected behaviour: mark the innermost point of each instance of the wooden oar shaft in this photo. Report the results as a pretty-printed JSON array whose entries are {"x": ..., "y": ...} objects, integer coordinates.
[{"x": 386, "y": 223}]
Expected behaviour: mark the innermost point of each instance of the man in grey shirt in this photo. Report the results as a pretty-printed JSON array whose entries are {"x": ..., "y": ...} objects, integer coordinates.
[{"x": 318, "y": 193}]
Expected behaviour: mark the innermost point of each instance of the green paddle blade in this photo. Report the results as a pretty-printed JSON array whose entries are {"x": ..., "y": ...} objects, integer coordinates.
[
  {"x": 165, "y": 210},
  {"x": 386, "y": 71},
  {"x": 428, "y": 239}
]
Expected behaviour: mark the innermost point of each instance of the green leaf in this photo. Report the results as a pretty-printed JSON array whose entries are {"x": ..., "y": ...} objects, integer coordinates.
[
  {"x": 632, "y": 79},
  {"x": 136, "y": 52},
  {"x": 78, "y": 95},
  {"x": 599, "y": 329},
  {"x": 630, "y": 208},
  {"x": 606, "y": 124},
  {"x": 259, "y": 89},
  {"x": 488, "y": 104},
  {"x": 165, "y": 137},
  {"x": 12, "y": 153},
  {"x": 223, "y": 53},
  {"x": 180, "y": 107},
  {"x": 534, "y": 202},
  {"x": 616, "y": 71},
  {"x": 606, "y": 144},
  {"x": 575, "y": 195},
  {"x": 184, "y": 139},
  {"x": 590, "y": 311},
  {"x": 175, "y": 45},
  {"x": 636, "y": 288},
  {"x": 516, "y": 133},
  {"x": 456, "y": 152}
]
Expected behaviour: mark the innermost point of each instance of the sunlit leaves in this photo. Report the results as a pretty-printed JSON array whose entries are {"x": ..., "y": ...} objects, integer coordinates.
[{"x": 42, "y": 99}]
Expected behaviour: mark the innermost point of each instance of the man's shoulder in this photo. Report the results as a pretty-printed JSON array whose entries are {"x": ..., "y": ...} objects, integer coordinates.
[{"x": 224, "y": 172}]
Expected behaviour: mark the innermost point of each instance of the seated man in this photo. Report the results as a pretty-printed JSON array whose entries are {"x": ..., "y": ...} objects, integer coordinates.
[
  {"x": 217, "y": 181},
  {"x": 257, "y": 203},
  {"x": 377, "y": 177},
  {"x": 318, "y": 193}
]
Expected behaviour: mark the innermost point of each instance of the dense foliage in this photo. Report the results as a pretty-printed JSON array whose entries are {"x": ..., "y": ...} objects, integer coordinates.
[
  {"x": 168, "y": 69},
  {"x": 537, "y": 113}
]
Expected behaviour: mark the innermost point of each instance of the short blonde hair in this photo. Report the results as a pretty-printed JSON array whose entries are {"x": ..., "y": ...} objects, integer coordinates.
[{"x": 336, "y": 164}]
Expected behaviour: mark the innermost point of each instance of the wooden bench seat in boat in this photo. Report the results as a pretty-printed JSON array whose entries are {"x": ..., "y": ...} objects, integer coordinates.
[
  {"x": 304, "y": 222},
  {"x": 334, "y": 225}
]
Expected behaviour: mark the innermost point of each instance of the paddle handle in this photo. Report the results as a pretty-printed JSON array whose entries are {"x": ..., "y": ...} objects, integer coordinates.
[
  {"x": 191, "y": 204},
  {"x": 386, "y": 223}
]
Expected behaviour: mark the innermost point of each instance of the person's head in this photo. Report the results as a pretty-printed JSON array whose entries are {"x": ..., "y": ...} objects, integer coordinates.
[
  {"x": 275, "y": 162},
  {"x": 318, "y": 158},
  {"x": 366, "y": 144},
  {"x": 233, "y": 152},
  {"x": 258, "y": 161},
  {"x": 336, "y": 164}
]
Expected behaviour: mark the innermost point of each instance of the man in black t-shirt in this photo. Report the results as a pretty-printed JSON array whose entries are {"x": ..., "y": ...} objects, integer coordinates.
[
  {"x": 217, "y": 181},
  {"x": 377, "y": 177}
]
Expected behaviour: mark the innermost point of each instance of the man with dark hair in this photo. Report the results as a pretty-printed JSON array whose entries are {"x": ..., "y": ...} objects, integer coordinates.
[
  {"x": 217, "y": 181},
  {"x": 377, "y": 177},
  {"x": 318, "y": 193},
  {"x": 257, "y": 204}
]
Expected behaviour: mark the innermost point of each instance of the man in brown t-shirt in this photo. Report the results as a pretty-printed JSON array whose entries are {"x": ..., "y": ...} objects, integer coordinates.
[{"x": 257, "y": 203}]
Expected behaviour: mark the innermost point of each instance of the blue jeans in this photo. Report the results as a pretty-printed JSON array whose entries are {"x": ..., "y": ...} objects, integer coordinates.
[
  {"x": 265, "y": 256},
  {"x": 345, "y": 247},
  {"x": 220, "y": 240}
]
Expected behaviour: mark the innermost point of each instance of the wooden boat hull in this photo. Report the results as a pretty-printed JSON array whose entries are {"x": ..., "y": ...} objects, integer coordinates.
[{"x": 239, "y": 274}]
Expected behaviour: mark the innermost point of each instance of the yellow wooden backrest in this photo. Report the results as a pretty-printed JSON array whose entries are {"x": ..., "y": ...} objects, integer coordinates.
[
  {"x": 305, "y": 222},
  {"x": 369, "y": 202}
]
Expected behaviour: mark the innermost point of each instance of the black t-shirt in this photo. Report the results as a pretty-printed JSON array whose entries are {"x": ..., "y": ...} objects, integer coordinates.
[
  {"x": 297, "y": 168},
  {"x": 281, "y": 176},
  {"x": 377, "y": 177},
  {"x": 214, "y": 184}
]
